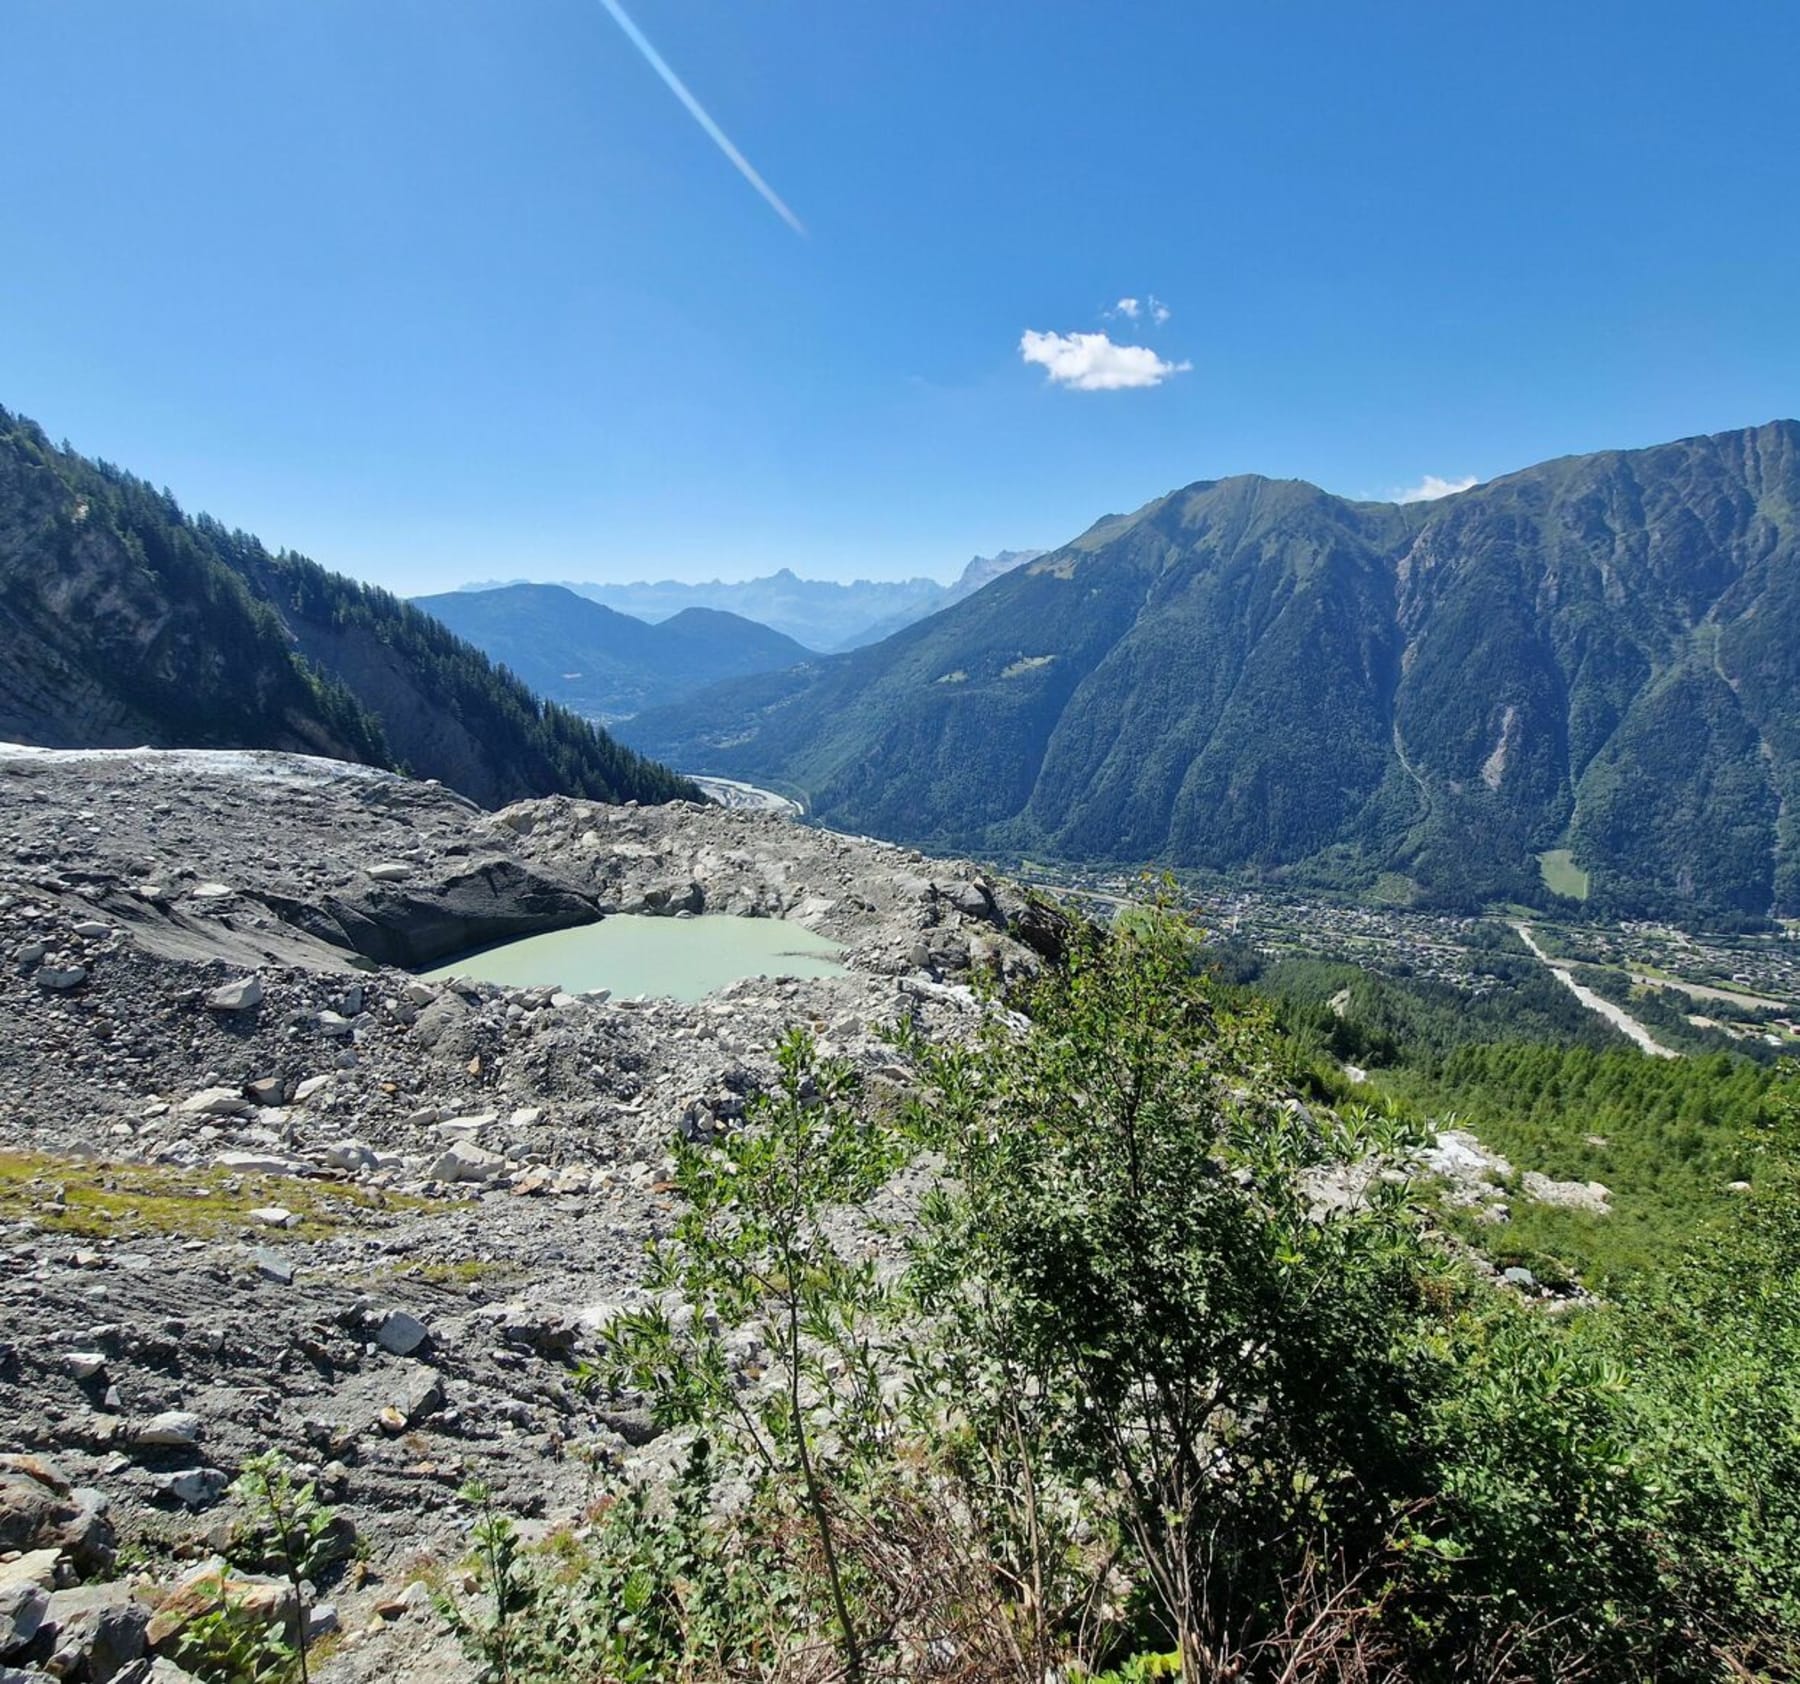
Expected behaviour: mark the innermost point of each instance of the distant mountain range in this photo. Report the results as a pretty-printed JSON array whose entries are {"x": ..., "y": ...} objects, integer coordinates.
[
  {"x": 125, "y": 622},
  {"x": 824, "y": 614},
  {"x": 602, "y": 663},
  {"x": 1599, "y": 654}
]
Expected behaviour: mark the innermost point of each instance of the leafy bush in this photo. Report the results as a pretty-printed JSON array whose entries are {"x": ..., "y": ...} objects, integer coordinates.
[
  {"x": 234, "y": 1644},
  {"x": 1202, "y": 1288},
  {"x": 288, "y": 1529},
  {"x": 1168, "y": 1377}
]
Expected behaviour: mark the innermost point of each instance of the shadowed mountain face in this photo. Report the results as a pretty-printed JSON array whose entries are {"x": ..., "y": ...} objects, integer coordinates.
[
  {"x": 124, "y": 621},
  {"x": 602, "y": 663},
  {"x": 1601, "y": 653}
]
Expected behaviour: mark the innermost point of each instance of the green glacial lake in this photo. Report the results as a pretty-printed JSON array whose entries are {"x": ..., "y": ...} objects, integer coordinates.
[{"x": 673, "y": 958}]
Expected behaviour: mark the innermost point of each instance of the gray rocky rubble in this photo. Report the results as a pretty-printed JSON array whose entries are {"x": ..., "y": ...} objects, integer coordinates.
[{"x": 467, "y": 1175}]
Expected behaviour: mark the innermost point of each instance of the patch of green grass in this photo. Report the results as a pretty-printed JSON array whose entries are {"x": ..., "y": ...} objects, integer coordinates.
[
  {"x": 1640, "y": 1238},
  {"x": 1562, "y": 876},
  {"x": 92, "y": 1198},
  {"x": 1393, "y": 888},
  {"x": 1666, "y": 1137}
]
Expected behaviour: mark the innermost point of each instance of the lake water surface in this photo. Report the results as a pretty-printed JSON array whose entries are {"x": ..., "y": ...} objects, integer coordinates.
[{"x": 674, "y": 958}]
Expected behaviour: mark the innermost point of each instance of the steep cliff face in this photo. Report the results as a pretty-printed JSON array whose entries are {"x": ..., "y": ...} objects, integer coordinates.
[
  {"x": 123, "y": 621},
  {"x": 1601, "y": 653}
]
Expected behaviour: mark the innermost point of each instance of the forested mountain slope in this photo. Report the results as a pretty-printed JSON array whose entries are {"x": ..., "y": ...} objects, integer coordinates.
[
  {"x": 124, "y": 621},
  {"x": 1600, "y": 652},
  {"x": 600, "y": 662}
]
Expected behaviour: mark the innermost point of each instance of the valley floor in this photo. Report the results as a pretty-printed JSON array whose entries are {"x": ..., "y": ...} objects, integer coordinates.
[{"x": 1617, "y": 1016}]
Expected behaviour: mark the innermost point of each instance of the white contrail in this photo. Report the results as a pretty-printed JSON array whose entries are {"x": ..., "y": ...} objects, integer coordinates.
[{"x": 698, "y": 112}]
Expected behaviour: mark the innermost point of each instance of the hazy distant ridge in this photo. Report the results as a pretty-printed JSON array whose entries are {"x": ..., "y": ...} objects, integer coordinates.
[
  {"x": 600, "y": 662},
  {"x": 822, "y": 614}
]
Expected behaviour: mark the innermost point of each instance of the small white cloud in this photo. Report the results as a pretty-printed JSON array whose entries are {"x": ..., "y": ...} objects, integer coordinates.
[
  {"x": 1431, "y": 487},
  {"x": 1091, "y": 362},
  {"x": 1159, "y": 311},
  {"x": 1126, "y": 307}
]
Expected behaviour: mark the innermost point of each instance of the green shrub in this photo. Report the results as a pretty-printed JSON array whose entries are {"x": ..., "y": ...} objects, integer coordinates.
[{"x": 1169, "y": 1377}]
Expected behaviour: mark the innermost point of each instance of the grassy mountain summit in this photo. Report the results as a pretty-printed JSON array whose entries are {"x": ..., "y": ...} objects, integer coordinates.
[
  {"x": 1600, "y": 653},
  {"x": 603, "y": 663},
  {"x": 124, "y": 621}
]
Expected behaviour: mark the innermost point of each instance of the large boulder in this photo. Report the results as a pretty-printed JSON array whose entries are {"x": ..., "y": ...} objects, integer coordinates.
[
  {"x": 442, "y": 1024},
  {"x": 40, "y": 1508},
  {"x": 95, "y": 1632},
  {"x": 207, "y": 1588},
  {"x": 22, "y": 1610},
  {"x": 410, "y": 926}
]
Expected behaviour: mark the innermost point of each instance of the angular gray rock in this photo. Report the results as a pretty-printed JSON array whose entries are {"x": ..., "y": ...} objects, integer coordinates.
[
  {"x": 350, "y": 1156},
  {"x": 421, "y": 1396},
  {"x": 215, "y": 1102},
  {"x": 400, "y": 1333},
  {"x": 258, "y": 1163},
  {"x": 195, "y": 1487},
  {"x": 272, "y": 1266},
  {"x": 463, "y": 1160},
  {"x": 98, "y": 1631},
  {"x": 172, "y": 1428},
  {"x": 243, "y": 995},
  {"x": 22, "y": 1611}
]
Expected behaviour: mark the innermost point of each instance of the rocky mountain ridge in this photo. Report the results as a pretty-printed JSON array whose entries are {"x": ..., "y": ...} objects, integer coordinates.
[{"x": 1596, "y": 654}]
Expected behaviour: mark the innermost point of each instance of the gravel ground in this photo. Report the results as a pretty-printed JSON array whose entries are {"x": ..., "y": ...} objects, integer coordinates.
[{"x": 256, "y": 1179}]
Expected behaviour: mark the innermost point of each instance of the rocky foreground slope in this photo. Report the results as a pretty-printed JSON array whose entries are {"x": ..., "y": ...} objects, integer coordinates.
[{"x": 261, "y": 1188}]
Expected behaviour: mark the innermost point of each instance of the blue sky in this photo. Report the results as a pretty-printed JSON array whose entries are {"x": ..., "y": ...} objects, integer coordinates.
[{"x": 449, "y": 289}]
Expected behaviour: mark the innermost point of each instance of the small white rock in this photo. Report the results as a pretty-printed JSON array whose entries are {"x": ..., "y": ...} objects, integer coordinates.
[
  {"x": 465, "y": 1161},
  {"x": 174, "y": 1427},
  {"x": 216, "y": 1102},
  {"x": 195, "y": 1487},
  {"x": 257, "y": 1163}
]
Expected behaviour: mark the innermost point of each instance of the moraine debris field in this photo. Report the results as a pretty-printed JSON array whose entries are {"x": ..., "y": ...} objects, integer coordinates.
[{"x": 263, "y": 1189}]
